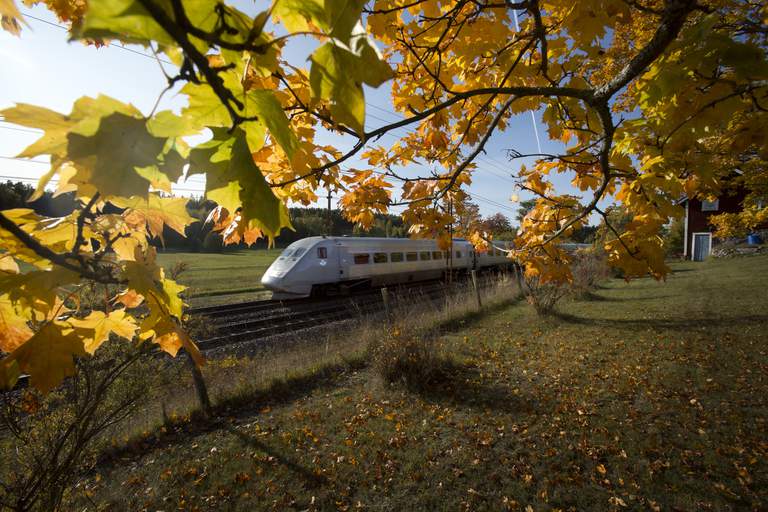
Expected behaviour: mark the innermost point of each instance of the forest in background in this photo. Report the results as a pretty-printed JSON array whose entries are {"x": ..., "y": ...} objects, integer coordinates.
[{"x": 309, "y": 222}]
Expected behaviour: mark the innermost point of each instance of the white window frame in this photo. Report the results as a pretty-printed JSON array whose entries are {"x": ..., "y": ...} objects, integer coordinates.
[
  {"x": 693, "y": 242},
  {"x": 710, "y": 206}
]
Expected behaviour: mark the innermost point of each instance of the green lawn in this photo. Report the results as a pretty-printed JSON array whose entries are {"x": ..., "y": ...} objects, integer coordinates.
[
  {"x": 650, "y": 396},
  {"x": 227, "y": 277}
]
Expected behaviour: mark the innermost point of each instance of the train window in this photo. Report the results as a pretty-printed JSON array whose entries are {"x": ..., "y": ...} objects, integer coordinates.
[
  {"x": 458, "y": 254},
  {"x": 411, "y": 256},
  {"x": 437, "y": 255},
  {"x": 362, "y": 259},
  {"x": 380, "y": 257},
  {"x": 425, "y": 255},
  {"x": 322, "y": 253},
  {"x": 396, "y": 257},
  {"x": 286, "y": 253},
  {"x": 298, "y": 252}
]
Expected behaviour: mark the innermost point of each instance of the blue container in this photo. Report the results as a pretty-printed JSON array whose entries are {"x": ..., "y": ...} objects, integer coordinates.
[{"x": 754, "y": 239}]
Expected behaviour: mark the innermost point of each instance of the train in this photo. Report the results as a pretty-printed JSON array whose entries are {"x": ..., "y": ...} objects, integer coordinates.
[{"x": 328, "y": 265}]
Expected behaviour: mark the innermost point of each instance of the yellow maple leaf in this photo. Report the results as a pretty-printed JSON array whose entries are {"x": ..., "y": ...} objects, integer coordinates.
[
  {"x": 8, "y": 264},
  {"x": 171, "y": 338},
  {"x": 102, "y": 324},
  {"x": 47, "y": 356},
  {"x": 13, "y": 327},
  {"x": 155, "y": 212}
]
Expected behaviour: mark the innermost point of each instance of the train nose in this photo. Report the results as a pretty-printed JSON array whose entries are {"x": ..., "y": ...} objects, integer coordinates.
[{"x": 272, "y": 280}]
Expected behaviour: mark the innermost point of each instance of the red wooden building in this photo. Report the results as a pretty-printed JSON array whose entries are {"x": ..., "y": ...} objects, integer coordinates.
[{"x": 698, "y": 232}]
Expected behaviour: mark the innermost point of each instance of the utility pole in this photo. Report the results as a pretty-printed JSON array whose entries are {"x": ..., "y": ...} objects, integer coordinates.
[
  {"x": 330, "y": 216},
  {"x": 450, "y": 247}
]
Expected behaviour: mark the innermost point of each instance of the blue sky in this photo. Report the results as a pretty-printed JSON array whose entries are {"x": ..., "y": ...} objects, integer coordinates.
[{"x": 43, "y": 68}]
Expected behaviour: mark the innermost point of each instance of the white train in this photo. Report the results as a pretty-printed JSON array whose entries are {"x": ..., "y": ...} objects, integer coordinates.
[{"x": 321, "y": 265}]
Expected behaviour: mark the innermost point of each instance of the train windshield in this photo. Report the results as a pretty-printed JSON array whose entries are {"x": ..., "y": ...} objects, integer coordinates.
[{"x": 286, "y": 254}]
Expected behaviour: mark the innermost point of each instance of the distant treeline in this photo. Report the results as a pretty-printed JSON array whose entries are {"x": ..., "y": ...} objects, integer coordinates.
[
  {"x": 306, "y": 222},
  {"x": 200, "y": 237}
]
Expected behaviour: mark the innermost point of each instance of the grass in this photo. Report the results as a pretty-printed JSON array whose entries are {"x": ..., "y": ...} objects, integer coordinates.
[
  {"x": 222, "y": 278},
  {"x": 648, "y": 396}
]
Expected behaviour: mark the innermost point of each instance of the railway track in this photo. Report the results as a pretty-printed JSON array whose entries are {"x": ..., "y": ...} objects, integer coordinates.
[{"x": 252, "y": 321}]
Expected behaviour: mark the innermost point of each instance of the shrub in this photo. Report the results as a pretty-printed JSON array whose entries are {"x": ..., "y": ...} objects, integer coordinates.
[
  {"x": 588, "y": 269},
  {"x": 54, "y": 439},
  {"x": 411, "y": 360},
  {"x": 543, "y": 296}
]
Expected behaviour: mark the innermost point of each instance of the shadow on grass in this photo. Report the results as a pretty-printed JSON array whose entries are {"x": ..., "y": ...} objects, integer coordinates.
[
  {"x": 594, "y": 297},
  {"x": 456, "y": 384},
  {"x": 245, "y": 404},
  {"x": 288, "y": 389},
  {"x": 674, "y": 324},
  {"x": 478, "y": 316},
  {"x": 312, "y": 478}
]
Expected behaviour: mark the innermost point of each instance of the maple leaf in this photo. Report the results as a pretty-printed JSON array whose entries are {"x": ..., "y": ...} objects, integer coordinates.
[
  {"x": 155, "y": 212},
  {"x": 8, "y": 264},
  {"x": 97, "y": 326},
  {"x": 235, "y": 182},
  {"x": 14, "y": 330},
  {"x": 48, "y": 355},
  {"x": 338, "y": 72},
  {"x": 130, "y": 298},
  {"x": 170, "y": 337},
  {"x": 111, "y": 156}
]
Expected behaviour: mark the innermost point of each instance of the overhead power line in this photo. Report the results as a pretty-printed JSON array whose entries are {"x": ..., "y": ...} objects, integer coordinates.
[
  {"x": 25, "y": 160},
  {"x": 119, "y": 46}
]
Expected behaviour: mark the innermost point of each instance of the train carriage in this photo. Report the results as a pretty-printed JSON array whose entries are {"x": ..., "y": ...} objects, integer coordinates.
[{"x": 330, "y": 265}]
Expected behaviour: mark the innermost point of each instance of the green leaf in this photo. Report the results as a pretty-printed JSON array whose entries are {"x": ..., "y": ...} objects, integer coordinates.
[
  {"x": 295, "y": 14},
  {"x": 335, "y": 17},
  {"x": 342, "y": 16},
  {"x": 269, "y": 111},
  {"x": 168, "y": 124},
  {"x": 120, "y": 146},
  {"x": 339, "y": 71},
  {"x": 205, "y": 108},
  {"x": 233, "y": 181},
  {"x": 213, "y": 155},
  {"x": 84, "y": 119},
  {"x": 125, "y": 20},
  {"x": 55, "y": 125},
  {"x": 259, "y": 203}
]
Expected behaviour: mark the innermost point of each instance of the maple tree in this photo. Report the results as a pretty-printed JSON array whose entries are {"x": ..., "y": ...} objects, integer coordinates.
[{"x": 650, "y": 99}]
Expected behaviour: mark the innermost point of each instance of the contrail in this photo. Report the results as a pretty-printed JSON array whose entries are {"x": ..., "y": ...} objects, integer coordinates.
[{"x": 533, "y": 116}]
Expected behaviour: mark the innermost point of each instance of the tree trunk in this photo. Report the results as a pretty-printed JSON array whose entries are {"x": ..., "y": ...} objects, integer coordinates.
[{"x": 201, "y": 388}]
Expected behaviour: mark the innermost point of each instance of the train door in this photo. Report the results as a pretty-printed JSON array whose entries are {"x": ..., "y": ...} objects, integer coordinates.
[
  {"x": 343, "y": 260},
  {"x": 473, "y": 259}
]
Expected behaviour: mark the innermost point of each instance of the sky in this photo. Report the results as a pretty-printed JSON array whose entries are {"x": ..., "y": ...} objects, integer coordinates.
[{"x": 42, "y": 68}]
